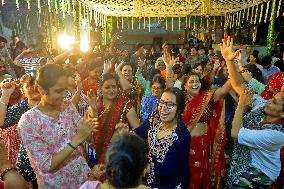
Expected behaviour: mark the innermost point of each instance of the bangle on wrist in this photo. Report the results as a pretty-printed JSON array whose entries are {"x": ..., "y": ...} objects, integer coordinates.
[
  {"x": 73, "y": 147},
  {"x": 6, "y": 171}
]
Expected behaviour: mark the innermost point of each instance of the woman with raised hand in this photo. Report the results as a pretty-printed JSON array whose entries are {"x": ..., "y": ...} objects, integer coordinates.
[
  {"x": 168, "y": 142},
  {"x": 113, "y": 111},
  {"x": 16, "y": 151},
  {"x": 259, "y": 133},
  {"x": 53, "y": 131},
  {"x": 130, "y": 86}
]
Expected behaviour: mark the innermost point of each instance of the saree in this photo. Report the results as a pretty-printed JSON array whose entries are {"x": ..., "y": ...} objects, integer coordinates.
[
  {"x": 108, "y": 119},
  {"x": 134, "y": 95},
  {"x": 209, "y": 146},
  {"x": 12, "y": 142}
]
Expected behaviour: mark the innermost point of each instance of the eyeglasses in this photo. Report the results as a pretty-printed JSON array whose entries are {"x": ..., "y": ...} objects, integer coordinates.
[
  {"x": 168, "y": 105},
  {"x": 156, "y": 88}
]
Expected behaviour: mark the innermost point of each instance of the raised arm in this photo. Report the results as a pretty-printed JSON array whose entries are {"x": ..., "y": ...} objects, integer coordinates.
[
  {"x": 125, "y": 84},
  {"x": 7, "y": 90},
  {"x": 245, "y": 101},
  {"x": 20, "y": 56},
  {"x": 169, "y": 62},
  {"x": 228, "y": 54}
]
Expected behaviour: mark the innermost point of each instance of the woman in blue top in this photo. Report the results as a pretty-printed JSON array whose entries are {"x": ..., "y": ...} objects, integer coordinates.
[
  {"x": 149, "y": 103},
  {"x": 168, "y": 141}
]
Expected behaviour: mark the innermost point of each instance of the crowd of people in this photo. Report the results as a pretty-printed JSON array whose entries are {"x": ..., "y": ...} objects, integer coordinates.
[{"x": 189, "y": 116}]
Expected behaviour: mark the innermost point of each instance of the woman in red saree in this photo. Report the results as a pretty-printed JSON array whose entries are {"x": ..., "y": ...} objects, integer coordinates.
[
  {"x": 204, "y": 117},
  {"x": 114, "y": 111}
]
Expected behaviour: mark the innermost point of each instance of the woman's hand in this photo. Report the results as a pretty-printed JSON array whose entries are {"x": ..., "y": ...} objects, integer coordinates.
[
  {"x": 98, "y": 173},
  {"x": 79, "y": 83},
  {"x": 107, "y": 66},
  {"x": 93, "y": 100},
  {"x": 246, "y": 99},
  {"x": 8, "y": 88},
  {"x": 227, "y": 49},
  {"x": 168, "y": 59},
  {"x": 141, "y": 63},
  {"x": 86, "y": 128}
]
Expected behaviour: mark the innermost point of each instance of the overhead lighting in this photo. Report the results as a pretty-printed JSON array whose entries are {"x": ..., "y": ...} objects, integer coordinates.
[
  {"x": 66, "y": 41},
  {"x": 84, "y": 44}
]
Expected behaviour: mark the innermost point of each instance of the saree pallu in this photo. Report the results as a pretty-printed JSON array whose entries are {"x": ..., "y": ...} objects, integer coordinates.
[
  {"x": 198, "y": 162},
  {"x": 108, "y": 119},
  {"x": 216, "y": 141}
]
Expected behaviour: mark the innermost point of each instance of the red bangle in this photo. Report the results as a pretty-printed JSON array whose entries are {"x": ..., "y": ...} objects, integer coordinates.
[{"x": 6, "y": 171}]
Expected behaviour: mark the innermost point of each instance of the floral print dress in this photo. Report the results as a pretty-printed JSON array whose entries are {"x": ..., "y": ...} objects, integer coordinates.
[{"x": 43, "y": 137}]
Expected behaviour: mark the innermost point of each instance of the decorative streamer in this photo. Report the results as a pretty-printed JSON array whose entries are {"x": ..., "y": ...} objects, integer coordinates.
[
  {"x": 29, "y": 4},
  {"x": 248, "y": 14},
  {"x": 117, "y": 22},
  {"x": 256, "y": 13},
  {"x": 172, "y": 23},
  {"x": 207, "y": 24},
  {"x": 73, "y": 9},
  {"x": 132, "y": 23},
  {"x": 17, "y": 4},
  {"x": 39, "y": 6},
  {"x": 186, "y": 22},
  {"x": 84, "y": 12},
  {"x": 243, "y": 18},
  {"x": 179, "y": 23},
  {"x": 139, "y": 25},
  {"x": 240, "y": 18},
  {"x": 189, "y": 24},
  {"x": 267, "y": 9},
  {"x": 144, "y": 26},
  {"x": 201, "y": 23},
  {"x": 166, "y": 18},
  {"x": 122, "y": 23},
  {"x": 49, "y": 6},
  {"x": 149, "y": 23},
  {"x": 56, "y": 7},
  {"x": 252, "y": 10},
  {"x": 91, "y": 15},
  {"x": 279, "y": 7}
]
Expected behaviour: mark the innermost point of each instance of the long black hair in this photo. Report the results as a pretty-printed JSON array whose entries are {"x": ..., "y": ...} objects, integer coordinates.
[{"x": 126, "y": 159}]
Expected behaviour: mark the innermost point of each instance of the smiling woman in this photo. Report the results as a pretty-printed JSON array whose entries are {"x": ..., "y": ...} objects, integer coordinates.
[
  {"x": 203, "y": 118},
  {"x": 52, "y": 132},
  {"x": 168, "y": 141}
]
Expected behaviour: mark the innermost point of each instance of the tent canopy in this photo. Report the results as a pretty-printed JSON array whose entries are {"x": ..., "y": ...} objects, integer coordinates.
[{"x": 168, "y": 8}]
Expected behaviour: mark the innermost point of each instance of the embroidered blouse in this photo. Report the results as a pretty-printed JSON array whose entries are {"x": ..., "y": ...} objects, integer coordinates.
[
  {"x": 14, "y": 113},
  {"x": 43, "y": 137},
  {"x": 168, "y": 156}
]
